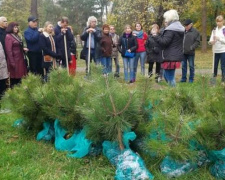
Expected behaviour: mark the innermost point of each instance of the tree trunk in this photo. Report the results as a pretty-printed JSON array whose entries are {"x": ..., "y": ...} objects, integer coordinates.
[
  {"x": 33, "y": 8},
  {"x": 204, "y": 26}
]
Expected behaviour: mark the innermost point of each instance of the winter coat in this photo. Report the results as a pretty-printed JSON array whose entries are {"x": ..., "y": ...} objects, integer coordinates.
[
  {"x": 97, "y": 37},
  {"x": 2, "y": 37},
  {"x": 141, "y": 43},
  {"x": 32, "y": 39},
  {"x": 15, "y": 57},
  {"x": 172, "y": 42},
  {"x": 3, "y": 64},
  {"x": 46, "y": 48},
  {"x": 191, "y": 41},
  {"x": 219, "y": 46},
  {"x": 106, "y": 44},
  {"x": 59, "y": 41},
  {"x": 115, "y": 39},
  {"x": 153, "y": 50},
  {"x": 131, "y": 43}
]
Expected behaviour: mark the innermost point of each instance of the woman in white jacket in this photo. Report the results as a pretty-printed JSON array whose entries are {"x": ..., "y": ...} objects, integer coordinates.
[{"x": 217, "y": 40}]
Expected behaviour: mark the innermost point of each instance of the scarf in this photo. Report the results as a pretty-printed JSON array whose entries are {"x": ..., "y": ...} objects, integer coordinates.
[
  {"x": 139, "y": 34},
  {"x": 52, "y": 46},
  {"x": 127, "y": 35}
]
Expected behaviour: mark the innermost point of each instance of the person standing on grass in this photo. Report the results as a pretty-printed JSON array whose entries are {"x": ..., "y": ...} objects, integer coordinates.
[
  {"x": 172, "y": 42},
  {"x": 62, "y": 29},
  {"x": 95, "y": 39},
  {"x": 115, "y": 54},
  {"x": 217, "y": 40},
  {"x": 106, "y": 49},
  {"x": 141, "y": 51},
  {"x": 154, "y": 53},
  {"x": 127, "y": 46},
  {"x": 49, "y": 49},
  {"x": 34, "y": 54},
  {"x": 3, "y": 65},
  {"x": 17, "y": 66},
  {"x": 191, "y": 42}
]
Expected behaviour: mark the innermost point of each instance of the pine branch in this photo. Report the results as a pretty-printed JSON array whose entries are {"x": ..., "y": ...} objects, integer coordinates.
[{"x": 127, "y": 105}]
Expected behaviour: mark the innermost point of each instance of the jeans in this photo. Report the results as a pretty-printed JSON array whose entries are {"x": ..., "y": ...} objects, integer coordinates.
[
  {"x": 116, "y": 60},
  {"x": 142, "y": 56},
  {"x": 190, "y": 59},
  {"x": 106, "y": 62},
  {"x": 169, "y": 75},
  {"x": 217, "y": 58},
  {"x": 128, "y": 63}
]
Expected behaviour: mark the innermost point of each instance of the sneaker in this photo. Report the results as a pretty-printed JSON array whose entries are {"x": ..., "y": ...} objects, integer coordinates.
[
  {"x": 150, "y": 74},
  {"x": 5, "y": 111},
  {"x": 182, "y": 80}
]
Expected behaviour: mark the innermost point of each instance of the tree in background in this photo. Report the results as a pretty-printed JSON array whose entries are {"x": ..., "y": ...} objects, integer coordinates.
[
  {"x": 16, "y": 11},
  {"x": 34, "y": 8}
]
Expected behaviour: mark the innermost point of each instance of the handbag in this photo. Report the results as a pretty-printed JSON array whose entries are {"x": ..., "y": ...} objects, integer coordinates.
[
  {"x": 47, "y": 58},
  {"x": 127, "y": 53},
  {"x": 83, "y": 54}
]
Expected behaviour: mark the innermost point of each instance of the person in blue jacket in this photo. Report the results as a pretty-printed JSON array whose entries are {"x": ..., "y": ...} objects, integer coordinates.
[
  {"x": 62, "y": 29},
  {"x": 31, "y": 35}
]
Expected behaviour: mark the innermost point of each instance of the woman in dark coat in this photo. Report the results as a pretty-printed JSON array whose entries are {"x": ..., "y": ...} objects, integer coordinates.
[
  {"x": 154, "y": 53},
  {"x": 15, "y": 54},
  {"x": 172, "y": 43},
  {"x": 48, "y": 47},
  {"x": 128, "y": 44}
]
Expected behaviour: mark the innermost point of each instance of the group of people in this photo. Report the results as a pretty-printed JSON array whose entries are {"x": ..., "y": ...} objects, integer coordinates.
[
  {"x": 49, "y": 47},
  {"x": 167, "y": 47}
]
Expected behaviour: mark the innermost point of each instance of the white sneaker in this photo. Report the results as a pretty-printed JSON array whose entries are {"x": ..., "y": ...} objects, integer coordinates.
[{"x": 5, "y": 111}]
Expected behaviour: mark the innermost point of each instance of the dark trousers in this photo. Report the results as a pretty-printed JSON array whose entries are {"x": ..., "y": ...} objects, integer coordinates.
[
  {"x": 14, "y": 82},
  {"x": 157, "y": 68},
  {"x": 35, "y": 62},
  {"x": 217, "y": 58},
  {"x": 2, "y": 87}
]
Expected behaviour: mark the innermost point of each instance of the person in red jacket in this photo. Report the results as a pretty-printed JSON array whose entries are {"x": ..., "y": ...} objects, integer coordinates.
[
  {"x": 15, "y": 54},
  {"x": 141, "y": 51},
  {"x": 106, "y": 44}
]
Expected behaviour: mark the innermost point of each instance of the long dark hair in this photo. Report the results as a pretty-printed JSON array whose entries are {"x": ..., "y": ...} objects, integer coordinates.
[{"x": 10, "y": 27}]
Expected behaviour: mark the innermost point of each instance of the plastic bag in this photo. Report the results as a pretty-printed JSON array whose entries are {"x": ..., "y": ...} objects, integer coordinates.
[
  {"x": 218, "y": 168},
  {"x": 48, "y": 133},
  {"x": 172, "y": 168},
  {"x": 18, "y": 123},
  {"x": 76, "y": 143},
  {"x": 129, "y": 165}
]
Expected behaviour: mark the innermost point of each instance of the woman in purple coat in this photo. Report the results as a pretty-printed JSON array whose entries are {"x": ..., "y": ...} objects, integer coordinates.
[{"x": 15, "y": 54}]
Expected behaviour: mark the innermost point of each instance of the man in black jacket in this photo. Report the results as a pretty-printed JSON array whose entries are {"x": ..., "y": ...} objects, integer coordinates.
[
  {"x": 62, "y": 29},
  {"x": 191, "y": 42}
]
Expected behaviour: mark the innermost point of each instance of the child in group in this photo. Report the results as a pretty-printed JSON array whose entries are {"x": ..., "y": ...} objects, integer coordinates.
[
  {"x": 106, "y": 49},
  {"x": 154, "y": 53}
]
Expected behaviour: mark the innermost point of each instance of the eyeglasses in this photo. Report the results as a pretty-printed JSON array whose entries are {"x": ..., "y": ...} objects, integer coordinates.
[{"x": 5, "y": 21}]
